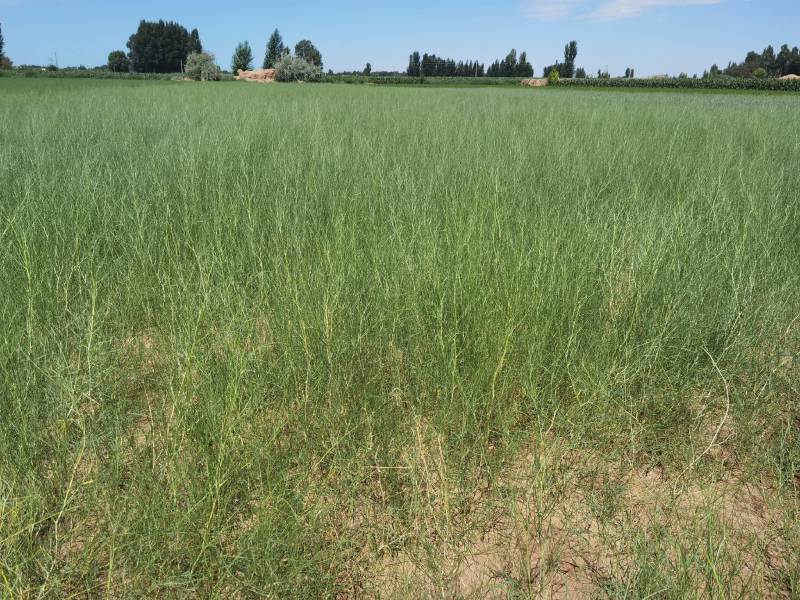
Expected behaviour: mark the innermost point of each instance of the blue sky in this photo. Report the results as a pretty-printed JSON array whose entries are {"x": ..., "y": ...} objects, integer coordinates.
[{"x": 653, "y": 36}]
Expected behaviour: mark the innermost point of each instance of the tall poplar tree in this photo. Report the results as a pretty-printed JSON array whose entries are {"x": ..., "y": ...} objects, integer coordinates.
[
  {"x": 415, "y": 65},
  {"x": 275, "y": 49},
  {"x": 524, "y": 68},
  {"x": 194, "y": 42},
  {"x": 242, "y": 58},
  {"x": 508, "y": 67},
  {"x": 567, "y": 70}
]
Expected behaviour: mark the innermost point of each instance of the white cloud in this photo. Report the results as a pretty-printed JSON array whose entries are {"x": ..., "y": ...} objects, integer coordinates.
[
  {"x": 623, "y": 9},
  {"x": 602, "y": 10},
  {"x": 548, "y": 10}
]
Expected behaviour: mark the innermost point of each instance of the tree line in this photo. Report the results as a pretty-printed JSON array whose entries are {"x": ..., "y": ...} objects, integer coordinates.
[
  {"x": 166, "y": 46},
  {"x": 305, "y": 64},
  {"x": 304, "y": 49},
  {"x": 510, "y": 66},
  {"x": 767, "y": 63},
  {"x": 430, "y": 65}
]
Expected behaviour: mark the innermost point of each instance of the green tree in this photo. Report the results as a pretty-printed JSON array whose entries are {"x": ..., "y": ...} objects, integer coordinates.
[
  {"x": 159, "y": 47},
  {"x": 194, "y": 42},
  {"x": 793, "y": 66},
  {"x": 760, "y": 73},
  {"x": 275, "y": 50},
  {"x": 367, "y": 69},
  {"x": 414, "y": 65},
  {"x": 5, "y": 63},
  {"x": 524, "y": 68},
  {"x": 242, "y": 58},
  {"x": 567, "y": 70},
  {"x": 550, "y": 68},
  {"x": 308, "y": 52},
  {"x": 752, "y": 61},
  {"x": 784, "y": 58},
  {"x": 427, "y": 66},
  {"x": 509, "y": 65},
  {"x": 118, "y": 62},
  {"x": 769, "y": 61},
  {"x": 580, "y": 73}
]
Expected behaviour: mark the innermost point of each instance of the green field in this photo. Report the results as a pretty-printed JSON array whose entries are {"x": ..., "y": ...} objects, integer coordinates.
[{"x": 358, "y": 341}]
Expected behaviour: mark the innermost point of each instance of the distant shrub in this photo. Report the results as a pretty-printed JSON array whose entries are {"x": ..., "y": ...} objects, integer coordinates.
[
  {"x": 760, "y": 73},
  {"x": 553, "y": 76},
  {"x": 118, "y": 62},
  {"x": 550, "y": 68},
  {"x": 5, "y": 63},
  {"x": 294, "y": 68},
  {"x": 201, "y": 66}
]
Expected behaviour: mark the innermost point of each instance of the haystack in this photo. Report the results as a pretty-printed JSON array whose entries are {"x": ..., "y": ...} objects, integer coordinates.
[
  {"x": 259, "y": 75},
  {"x": 534, "y": 82},
  {"x": 789, "y": 77}
]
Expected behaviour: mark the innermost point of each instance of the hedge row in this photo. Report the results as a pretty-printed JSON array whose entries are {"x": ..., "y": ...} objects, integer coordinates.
[
  {"x": 376, "y": 79},
  {"x": 96, "y": 74},
  {"x": 715, "y": 83},
  {"x": 719, "y": 83},
  {"x": 406, "y": 80}
]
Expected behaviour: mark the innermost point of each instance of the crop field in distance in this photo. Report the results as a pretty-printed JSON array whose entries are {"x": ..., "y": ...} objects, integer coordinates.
[{"x": 365, "y": 342}]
